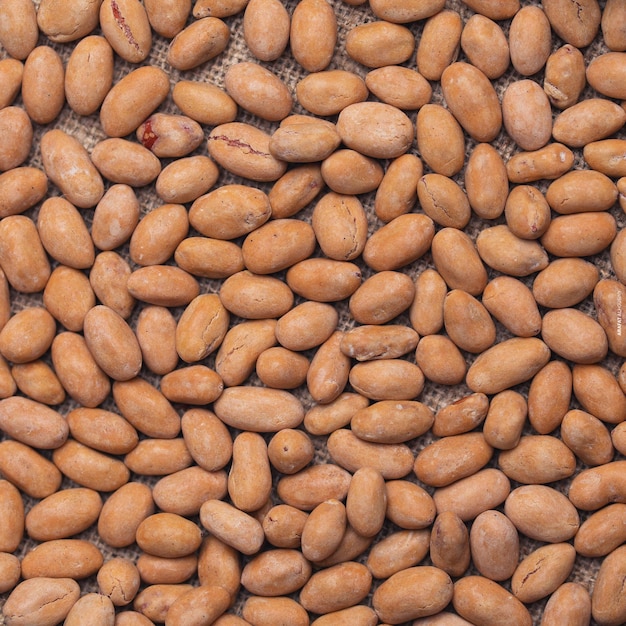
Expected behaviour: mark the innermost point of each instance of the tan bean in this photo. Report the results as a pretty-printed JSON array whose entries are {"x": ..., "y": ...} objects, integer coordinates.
[
  {"x": 91, "y": 608},
  {"x": 358, "y": 615},
  {"x": 598, "y": 391},
  {"x": 409, "y": 505},
  {"x": 207, "y": 439},
  {"x": 349, "y": 582},
  {"x": 41, "y": 600},
  {"x": 594, "y": 118},
  {"x": 257, "y": 90},
  {"x": 603, "y": 74},
  {"x": 530, "y": 40},
  {"x": 581, "y": 190},
  {"x": 439, "y": 44},
  {"x": 313, "y": 35},
  {"x": 102, "y": 430},
  {"x": 472, "y": 100},
  {"x": 538, "y": 459},
  {"x": 440, "y": 360},
  {"x": 575, "y": 25},
  {"x": 8, "y": 386},
  {"x": 219, "y": 8},
  {"x": 28, "y": 470},
  {"x": 12, "y": 514},
  {"x": 64, "y": 234},
  {"x": 399, "y": 86},
  {"x": 186, "y": 179},
  {"x": 484, "y": 601},
  {"x": 11, "y": 71},
  {"x": 390, "y": 421},
  {"x": 440, "y": 139},
  {"x": 304, "y": 143},
  {"x": 184, "y": 491},
  {"x": 81, "y": 377},
  {"x": 608, "y": 296},
  {"x": 398, "y": 551},
  {"x": 243, "y": 150},
  {"x": 461, "y": 416},
  {"x": 570, "y": 601},
  {"x": 431, "y": 470},
  {"x": 89, "y": 73},
  {"x": 549, "y": 396},
  {"x": 366, "y": 501},
  {"x": 586, "y": 341},
  {"x": 158, "y": 457},
  {"x": 542, "y": 513},
  {"x": 188, "y": 604},
  {"x": 443, "y": 200},
  {"x": 587, "y": 437},
  {"x": 449, "y": 544},
  {"x": 601, "y": 532},
  {"x": 564, "y": 76},
  {"x": 549, "y": 162},
  {"x": 34, "y": 321},
  {"x": 526, "y": 112},
  {"x": 387, "y": 379},
  {"x": 290, "y": 450},
  {"x": 112, "y": 343},
  {"x": 396, "y": 600},
  {"x": 168, "y": 18},
  {"x": 379, "y": 43},
  {"x": 20, "y": 189},
  {"x": 196, "y": 384},
  {"x": 63, "y": 514},
  {"x": 295, "y": 189},
  {"x": 397, "y": 191},
  {"x": 37, "y": 381},
  {"x": 126, "y": 26},
  {"x": 426, "y": 311},
  {"x": 43, "y": 92},
  {"x": 487, "y": 201},
  {"x": 249, "y": 478},
  {"x": 90, "y": 468},
  {"x": 505, "y": 294},
  {"x": 125, "y": 162},
  {"x": 282, "y": 368},
  {"x": 494, "y": 544},
  {"x": 471, "y": 496},
  {"x": 467, "y": 322},
  {"x": 154, "y": 601},
  {"x": 617, "y": 256},
  {"x": 505, "y": 252},
  {"x": 348, "y": 172},
  {"x": 322, "y": 419},
  {"x": 505, "y": 419},
  {"x": 17, "y": 137},
  {"x": 375, "y": 129},
  {"x": 393, "y": 461},
  {"x": 328, "y": 371},
  {"x": 382, "y": 297},
  {"x": 168, "y": 535},
  {"x": 313, "y": 485},
  {"x": 121, "y": 113},
  {"x": 605, "y": 156},
  {"x": 62, "y": 558},
  {"x": 163, "y": 285},
  {"x": 10, "y": 572},
  {"x": 146, "y": 408},
  {"x": 323, "y": 531},
  {"x": 201, "y": 328},
  {"x": 485, "y": 45},
  {"x": 232, "y": 526},
  {"x": 565, "y": 282},
  {"x": 115, "y": 217},
  {"x": 458, "y": 262},
  {"x": 543, "y": 571},
  {"x": 19, "y": 31},
  {"x": 265, "y": 611},
  {"x": 64, "y": 281},
  {"x": 328, "y": 92},
  {"x": 411, "y": 11},
  {"x": 611, "y": 33},
  {"x": 74, "y": 22},
  {"x": 156, "y": 334},
  {"x": 372, "y": 342},
  {"x": 204, "y": 102},
  {"x": 596, "y": 487},
  {"x": 266, "y": 26}
]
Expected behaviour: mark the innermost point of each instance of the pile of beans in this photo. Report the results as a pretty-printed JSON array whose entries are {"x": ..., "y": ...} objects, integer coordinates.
[{"x": 312, "y": 312}]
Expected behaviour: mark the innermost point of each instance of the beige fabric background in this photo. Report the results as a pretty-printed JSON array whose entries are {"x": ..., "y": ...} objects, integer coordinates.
[{"x": 88, "y": 131}]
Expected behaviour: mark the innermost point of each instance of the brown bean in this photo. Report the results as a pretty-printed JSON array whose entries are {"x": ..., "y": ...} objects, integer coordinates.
[
  {"x": 62, "y": 558},
  {"x": 494, "y": 544},
  {"x": 397, "y": 191},
  {"x": 12, "y": 514},
  {"x": 313, "y": 35},
  {"x": 570, "y": 601},
  {"x": 398, "y": 551},
  {"x": 484, "y": 43},
  {"x": 409, "y": 505},
  {"x": 505, "y": 419},
  {"x": 564, "y": 76},
  {"x": 379, "y": 43},
  {"x": 43, "y": 91},
  {"x": 328, "y": 92},
  {"x": 439, "y": 44},
  {"x": 399, "y": 86},
  {"x": 575, "y": 25},
  {"x": 313, "y": 485},
  {"x": 548, "y": 162},
  {"x": 449, "y": 544}
]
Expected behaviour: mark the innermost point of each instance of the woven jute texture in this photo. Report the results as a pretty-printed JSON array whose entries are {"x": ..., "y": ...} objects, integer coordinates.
[{"x": 89, "y": 132}]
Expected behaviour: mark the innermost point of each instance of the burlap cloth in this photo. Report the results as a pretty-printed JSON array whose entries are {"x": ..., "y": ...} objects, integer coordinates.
[{"x": 88, "y": 131}]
